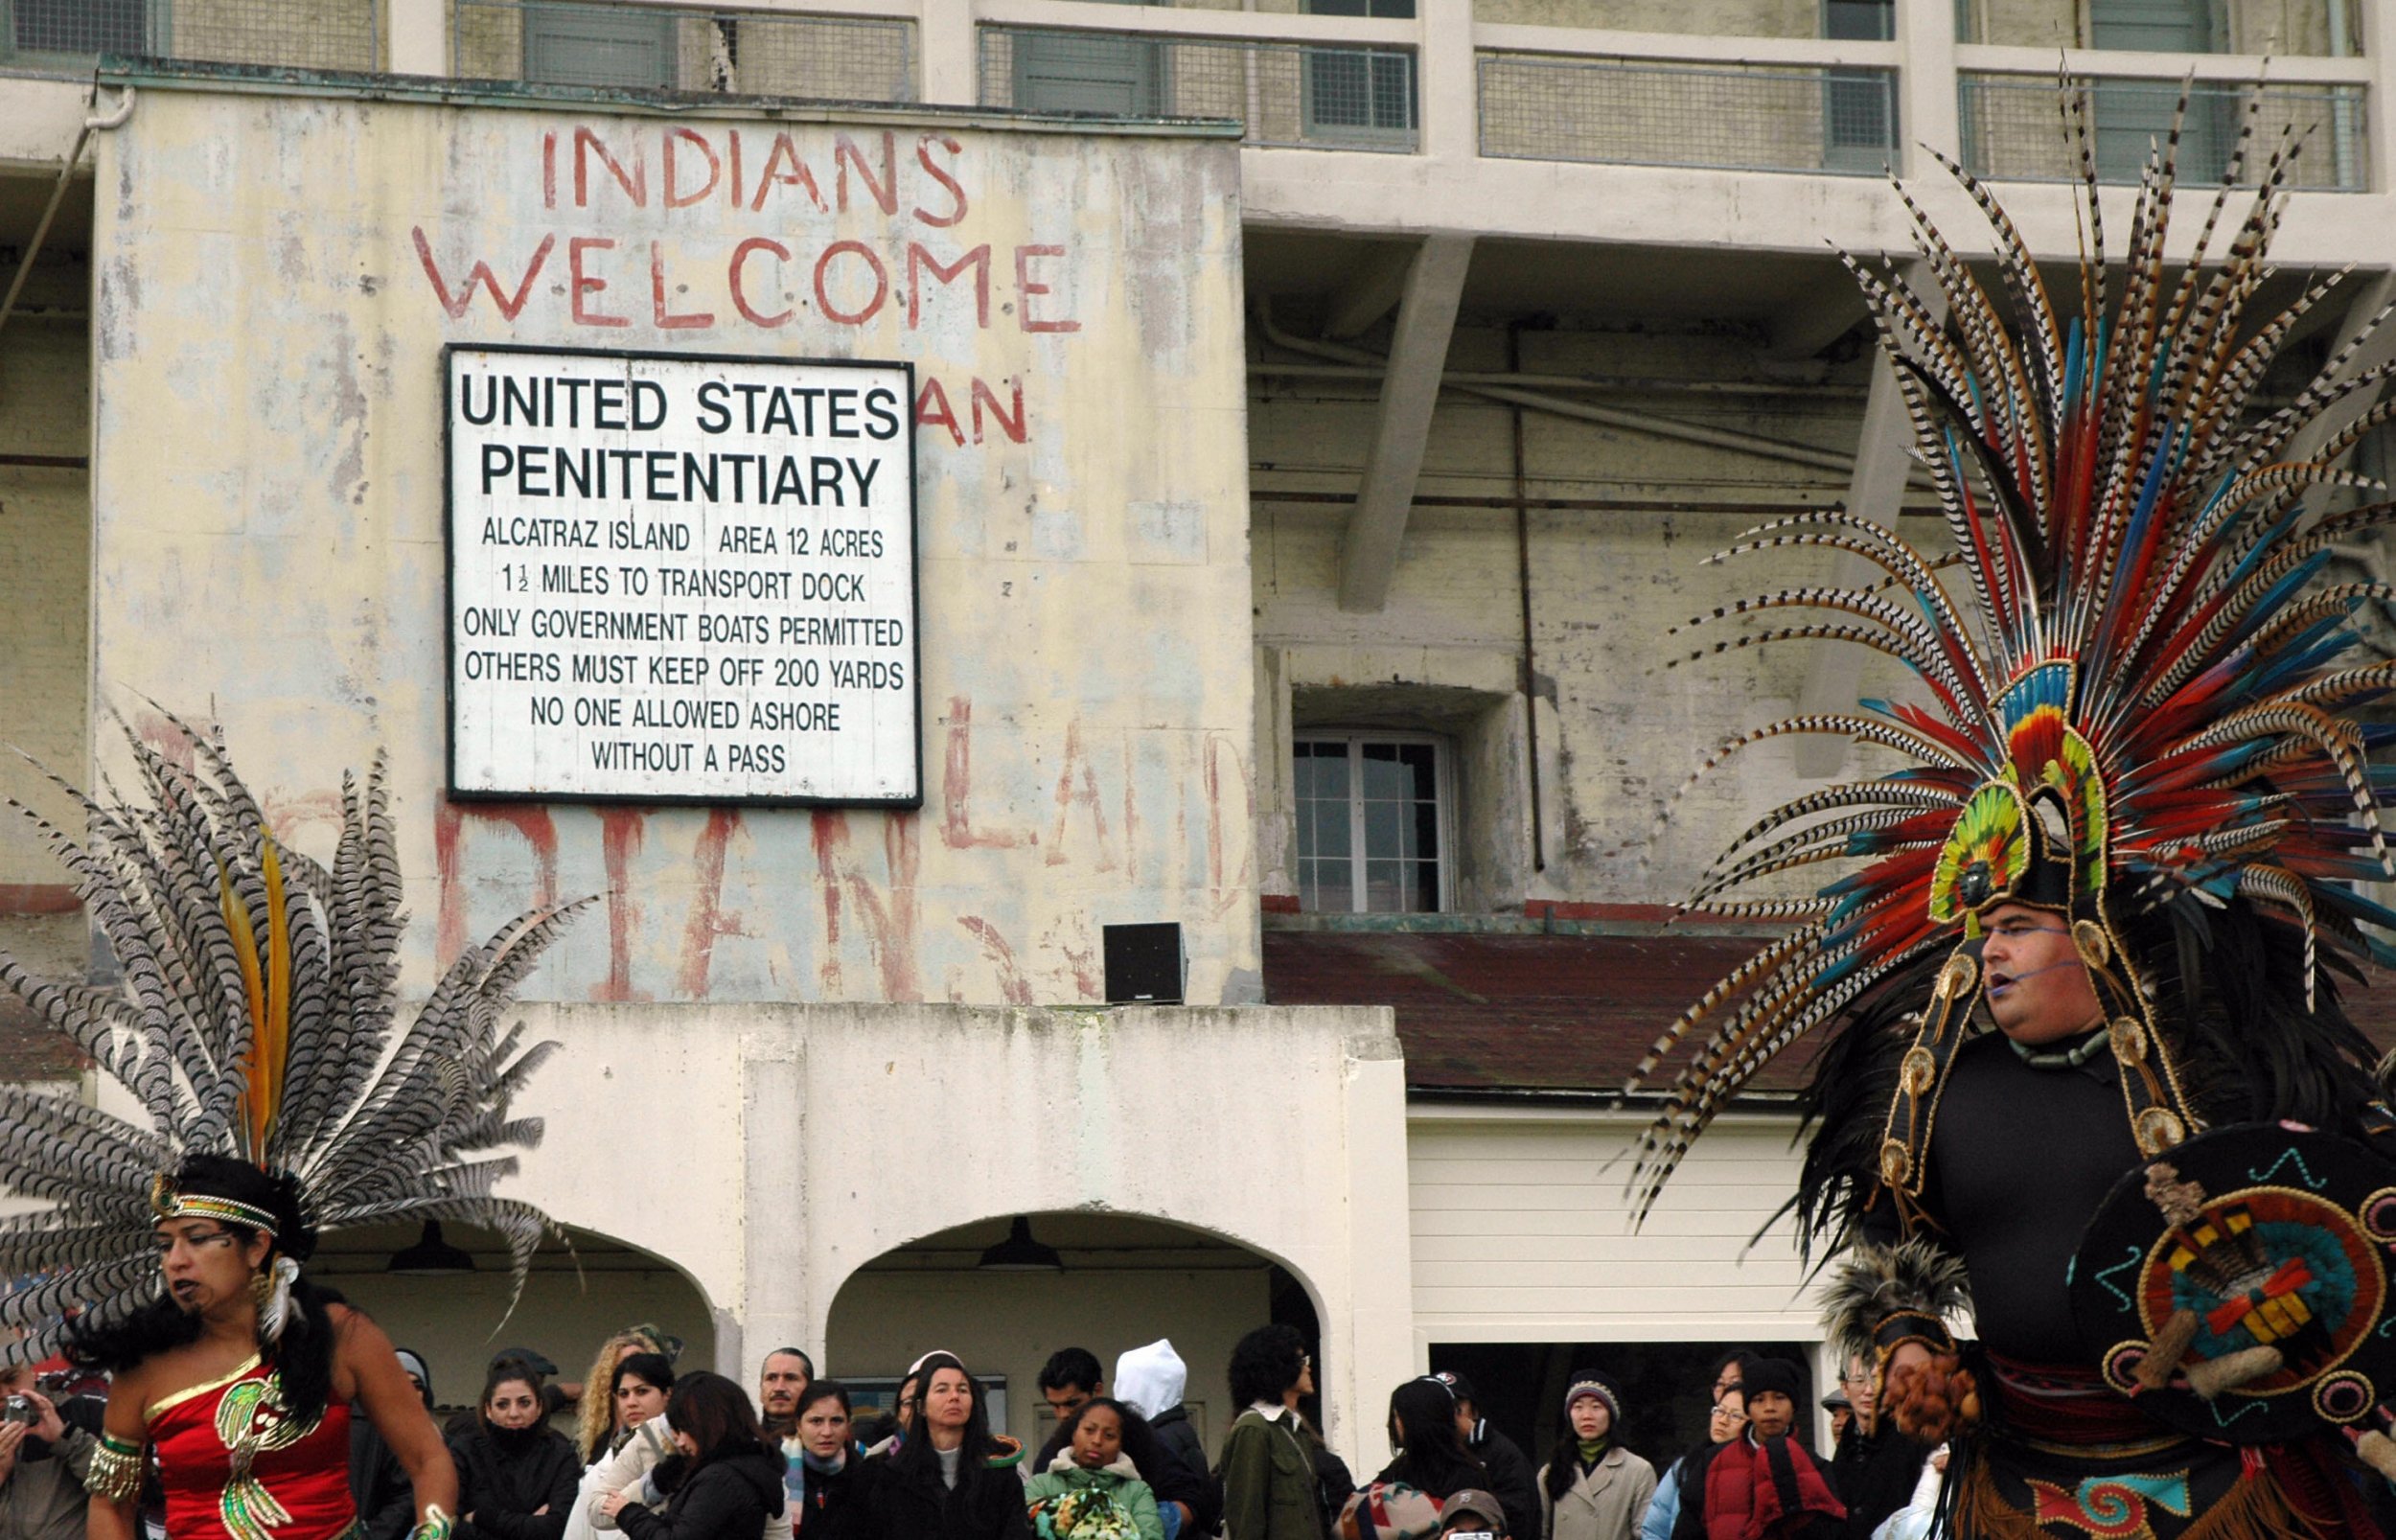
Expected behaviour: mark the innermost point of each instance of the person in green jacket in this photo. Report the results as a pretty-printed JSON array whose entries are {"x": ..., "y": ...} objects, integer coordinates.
[
  {"x": 1097, "y": 1488},
  {"x": 1270, "y": 1490}
]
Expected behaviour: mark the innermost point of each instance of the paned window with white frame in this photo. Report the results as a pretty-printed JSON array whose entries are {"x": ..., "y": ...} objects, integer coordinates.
[{"x": 1373, "y": 822}]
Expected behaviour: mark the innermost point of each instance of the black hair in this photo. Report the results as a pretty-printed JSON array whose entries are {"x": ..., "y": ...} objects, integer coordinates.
[
  {"x": 1736, "y": 1356},
  {"x": 1265, "y": 1363},
  {"x": 822, "y": 1390},
  {"x": 716, "y": 1413},
  {"x": 797, "y": 1354},
  {"x": 301, "y": 1356},
  {"x": 1139, "y": 1440},
  {"x": 507, "y": 1371},
  {"x": 1431, "y": 1456},
  {"x": 917, "y": 1459},
  {"x": 1074, "y": 1368},
  {"x": 650, "y": 1368}
]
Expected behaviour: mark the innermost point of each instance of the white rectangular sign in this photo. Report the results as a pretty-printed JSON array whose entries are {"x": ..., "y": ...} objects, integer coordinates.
[{"x": 681, "y": 578}]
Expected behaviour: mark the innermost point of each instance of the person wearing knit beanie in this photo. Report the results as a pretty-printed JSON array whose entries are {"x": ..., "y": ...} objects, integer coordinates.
[
  {"x": 1592, "y": 1489},
  {"x": 1767, "y": 1484}
]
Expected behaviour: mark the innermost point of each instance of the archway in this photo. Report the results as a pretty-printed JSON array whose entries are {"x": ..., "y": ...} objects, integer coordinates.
[
  {"x": 575, "y": 1297},
  {"x": 1122, "y": 1280}
]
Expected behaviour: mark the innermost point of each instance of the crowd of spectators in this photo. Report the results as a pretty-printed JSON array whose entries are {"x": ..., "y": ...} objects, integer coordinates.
[{"x": 639, "y": 1449}]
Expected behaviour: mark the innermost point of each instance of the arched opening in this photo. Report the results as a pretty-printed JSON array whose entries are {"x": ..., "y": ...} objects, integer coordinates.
[
  {"x": 1121, "y": 1281},
  {"x": 575, "y": 1297}
]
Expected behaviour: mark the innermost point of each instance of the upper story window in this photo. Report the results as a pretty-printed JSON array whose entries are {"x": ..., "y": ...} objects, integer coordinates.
[
  {"x": 1373, "y": 822},
  {"x": 78, "y": 27}
]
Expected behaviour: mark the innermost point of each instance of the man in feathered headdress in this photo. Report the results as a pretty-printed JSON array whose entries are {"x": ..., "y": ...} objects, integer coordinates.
[
  {"x": 257, "y": 1029},
  {"x": 2088, "y": 1080}
]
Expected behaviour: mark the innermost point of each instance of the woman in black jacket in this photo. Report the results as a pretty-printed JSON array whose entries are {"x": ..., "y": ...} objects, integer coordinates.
[
  {"x": 953, "y": 1479},
  {"x": 515, "y": 1476},
  {"x": 833, "y": 1480},
  {"x": 726, "y": 1483}
]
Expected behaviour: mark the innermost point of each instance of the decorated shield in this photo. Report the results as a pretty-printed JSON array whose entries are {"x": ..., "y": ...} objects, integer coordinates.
[{"x": 2236, "y": 1285}]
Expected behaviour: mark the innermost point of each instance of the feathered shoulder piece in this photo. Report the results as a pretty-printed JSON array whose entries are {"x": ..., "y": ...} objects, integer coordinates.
[
  {"x": 2129, "y": 689},
  {"x": 1912, "y": 1287},
  {"x": 256, "y": 1026}
]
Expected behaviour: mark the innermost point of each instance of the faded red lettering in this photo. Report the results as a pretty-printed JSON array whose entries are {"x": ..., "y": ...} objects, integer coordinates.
[
  {"x": 957, "y": 193},
  {"x": 580, "y": 283},
  {"x": 1012, "y": 428},
  {"x": 1027, "y": 287},
  {"x": 549, "y": 170},
  {"x": 636, "y": 182},
  {"x": 665, "y": 319},
  {"x": 733, "y": 154},
  {"x": 931, "y": 408},
  {"x": 740, "y": 299},
  {"x": 919, "y": 260},
  {"x": 845, "y": 154},
  {"x": 675, "y": 197},
  {"x": 880, "y": 283},
  {"x": 785, "y": 153},
  {"x": 480, "y": 274}
]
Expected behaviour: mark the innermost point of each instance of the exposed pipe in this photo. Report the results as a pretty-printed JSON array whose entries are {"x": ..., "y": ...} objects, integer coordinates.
[
  {"x": 1629, "y": 383},
  {"x": 57, "y": 195},
  {"x": 1522, "y": 565},
  {"x": 1715, "y": 438},
  {"x": 1757, "y": 509}
]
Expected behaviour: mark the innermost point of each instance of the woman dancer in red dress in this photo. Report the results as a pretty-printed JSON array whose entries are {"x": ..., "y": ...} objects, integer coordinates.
[{"x": 280, "y": 1092}]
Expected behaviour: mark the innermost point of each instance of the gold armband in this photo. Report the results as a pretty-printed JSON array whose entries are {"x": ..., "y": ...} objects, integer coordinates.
[
  {"x": 115, "y": 1472},
  {"x": 436, "y": 1525}
]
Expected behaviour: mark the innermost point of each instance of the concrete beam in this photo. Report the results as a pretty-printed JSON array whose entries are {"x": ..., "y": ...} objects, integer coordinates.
[
  {"x": 1820, "y": 317},
  {"x": 1883, "y": 460},
  {"x": 1373, "y": 288},
  {"x": 1426, "y": 319},
  {"x": 2372, "y": 293}
]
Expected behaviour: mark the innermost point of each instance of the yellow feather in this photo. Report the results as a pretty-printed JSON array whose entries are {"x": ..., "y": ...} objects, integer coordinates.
[
  {"x": 245, "y": 948},
  {"x": 275, "y": 1039}
]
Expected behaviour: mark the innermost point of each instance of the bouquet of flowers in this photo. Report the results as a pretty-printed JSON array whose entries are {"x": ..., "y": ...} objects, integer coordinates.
[{"x": 1085, "y": 1513}]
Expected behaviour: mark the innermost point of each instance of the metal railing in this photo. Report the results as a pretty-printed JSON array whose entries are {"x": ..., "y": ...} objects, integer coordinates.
[
  {"x": 65, "y": 38},
  {"x": 646, "y": 47},
  {"x": 1639, "y": 112},
  {"x": 2011, "y": 128},
  {"x": 1299, "y": 95}
]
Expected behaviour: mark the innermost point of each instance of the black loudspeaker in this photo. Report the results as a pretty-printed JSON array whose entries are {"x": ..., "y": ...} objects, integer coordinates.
[{"x": 1145, "y": 964}]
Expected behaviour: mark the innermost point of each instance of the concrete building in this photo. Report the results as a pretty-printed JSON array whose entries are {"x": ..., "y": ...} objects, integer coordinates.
[{"x": 1309, "y": 467}]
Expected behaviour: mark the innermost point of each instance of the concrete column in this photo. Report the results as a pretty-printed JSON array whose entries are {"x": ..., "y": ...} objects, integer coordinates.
[
  {"x": 1925, "y": 86},
  {"x": 417, "y": 38},
  {"x": 1451, "y": 120},
  {"x": 2376, "y": 25},
  {"x": 1426, "y": 320},
  {"x": 1377, "y": 1350},
  {"x": 775, "y": 1303},
  {"x": 1883, "y": 460},
  {"x": 951, "y": 62}
]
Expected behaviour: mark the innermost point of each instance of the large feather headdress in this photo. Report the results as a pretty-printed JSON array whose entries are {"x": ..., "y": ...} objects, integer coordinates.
[
  {"x": 2136, "y": 688},
  {"x": 257, "y": 1018}
]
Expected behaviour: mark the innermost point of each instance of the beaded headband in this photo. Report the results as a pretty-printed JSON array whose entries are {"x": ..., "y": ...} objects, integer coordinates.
[{"x": 168, "y": 1203}]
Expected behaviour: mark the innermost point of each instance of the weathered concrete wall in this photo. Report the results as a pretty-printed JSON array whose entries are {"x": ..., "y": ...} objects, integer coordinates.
[
  {"x": 1619, "y": 730},
  {"x": 277, "y": 276},
  {"x": 814, "y": 1140}
]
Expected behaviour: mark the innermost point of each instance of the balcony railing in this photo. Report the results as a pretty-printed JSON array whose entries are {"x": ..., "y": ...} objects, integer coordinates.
[
  {"x": 1645, "y": 113},
  {"x": 838, "y": 58},
  {"x": 1283, "y": 94},
  {"x": 66, "y": 38},
  {"x": 2011, "y": 127}
]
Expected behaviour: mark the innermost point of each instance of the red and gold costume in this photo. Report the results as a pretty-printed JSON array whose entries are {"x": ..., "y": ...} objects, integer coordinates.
[{"x": 237, "y": 1466}]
